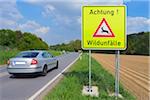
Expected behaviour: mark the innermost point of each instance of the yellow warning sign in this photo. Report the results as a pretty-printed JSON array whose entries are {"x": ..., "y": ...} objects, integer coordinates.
[{"x": 104, "y": 27}]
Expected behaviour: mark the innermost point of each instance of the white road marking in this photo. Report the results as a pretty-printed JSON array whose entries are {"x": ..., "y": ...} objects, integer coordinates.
[{"x": 51, "y": 81}]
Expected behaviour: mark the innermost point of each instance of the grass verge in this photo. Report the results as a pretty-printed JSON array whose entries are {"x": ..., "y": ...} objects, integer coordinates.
[
  {"x": 71, "y": 86},
  {"x": 6, "y": 54},
  {"x": 55, "y": 53}
]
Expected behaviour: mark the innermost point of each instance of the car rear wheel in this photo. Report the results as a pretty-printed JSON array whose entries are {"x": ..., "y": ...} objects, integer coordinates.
[
  {"x": 44, "y": 72},
  {"x": 56, "y": 65},
  {"x": 13, "y": 75}
]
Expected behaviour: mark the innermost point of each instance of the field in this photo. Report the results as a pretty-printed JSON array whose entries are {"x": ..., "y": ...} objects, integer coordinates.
[
  {"x": 70, "y": 87},
  {"x": 134, "y": 72},
  {"x": 6, "y": 54}
]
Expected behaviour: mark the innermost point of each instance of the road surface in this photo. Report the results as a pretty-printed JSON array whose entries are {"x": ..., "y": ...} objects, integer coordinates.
[
  {"x": 134, "y": 72},
  {"x": 21, "y": 88}
]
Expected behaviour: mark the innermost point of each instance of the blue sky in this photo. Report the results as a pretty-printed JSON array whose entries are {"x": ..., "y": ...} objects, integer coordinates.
[
  {"x": 138, "y": 8},
  {"x": 58, "y": 21}
]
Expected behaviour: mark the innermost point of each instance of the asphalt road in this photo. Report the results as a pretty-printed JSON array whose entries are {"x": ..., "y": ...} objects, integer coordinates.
[{"x": 21, "y": 88}]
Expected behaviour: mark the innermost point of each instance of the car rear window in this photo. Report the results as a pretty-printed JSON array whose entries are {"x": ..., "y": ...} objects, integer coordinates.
[{"x": 27, "y": 55}]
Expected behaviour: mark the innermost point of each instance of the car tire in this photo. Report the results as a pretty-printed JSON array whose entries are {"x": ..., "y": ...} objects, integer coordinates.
[
  {"x": 57, "y": 65},
  {"x": 44, "y": 72},
  {"x": 13, "y": 76}
]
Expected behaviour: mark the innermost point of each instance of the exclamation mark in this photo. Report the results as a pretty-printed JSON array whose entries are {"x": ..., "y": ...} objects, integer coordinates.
[{"x": 117, "y": 11}]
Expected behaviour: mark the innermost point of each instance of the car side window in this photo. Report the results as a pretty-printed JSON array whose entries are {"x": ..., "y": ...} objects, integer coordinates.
[
  {"x": 45, "y": 55},
  {"x": 51, "y": 56}
]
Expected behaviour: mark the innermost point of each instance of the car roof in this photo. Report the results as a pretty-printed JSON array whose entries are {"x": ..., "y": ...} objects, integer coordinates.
[{"x": 40, "y": 51}]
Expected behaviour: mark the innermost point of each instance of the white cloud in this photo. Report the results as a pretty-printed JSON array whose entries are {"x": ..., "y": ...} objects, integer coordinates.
[
  {"x": 48, "y": 10},
  {"x": 31, "y": 1},
  {"x": 137, "y": 24},
  {"x": 9, "y": 14},
  {"x": 81, "y": 1},
  {"x": 9, "y": 10},
  {"x": 34, "y": 27},
  {"x": 62, "y": 14},
  {"x": 64, "y": 20},
  {"x": 148, "y": 22},
  {"x": 10, "y": 18},
  {"x": 52, "y": 12},
  {"x": 29, "y": 25},
  {"x": 42, "y": 30},
  {"x": 6, "y": 23}
]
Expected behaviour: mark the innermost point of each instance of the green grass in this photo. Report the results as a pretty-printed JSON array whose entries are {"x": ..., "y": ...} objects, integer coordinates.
[
  {"x": 6, "y": 54},
  {"x": 71, "y": 85},
  {"x": 55, "y": 53}
]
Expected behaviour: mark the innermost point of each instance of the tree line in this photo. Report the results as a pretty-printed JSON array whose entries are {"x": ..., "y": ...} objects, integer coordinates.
[
  {"x": 137, "y": 44},
  {"x": 10, "y": 39},
  {"x": 73, "y": 45}
]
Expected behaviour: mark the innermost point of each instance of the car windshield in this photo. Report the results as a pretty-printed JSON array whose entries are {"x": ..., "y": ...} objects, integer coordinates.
[{"x": 27, "y": 55}]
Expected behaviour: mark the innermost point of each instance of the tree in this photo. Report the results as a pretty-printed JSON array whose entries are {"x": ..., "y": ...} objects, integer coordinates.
[
  {"x": 8, "y": 38},
  {"x": 71, "y": 46},
  {"x": 22, "y": 41}
]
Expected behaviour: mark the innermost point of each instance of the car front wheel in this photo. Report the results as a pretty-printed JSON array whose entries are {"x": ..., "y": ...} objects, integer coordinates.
[
  {"x": 56, "y": 65},
  {"x": 44, "y": 72}
]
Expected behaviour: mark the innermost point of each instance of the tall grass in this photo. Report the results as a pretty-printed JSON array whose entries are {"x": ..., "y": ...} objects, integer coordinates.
[
  {"x": 55, "y": 53},
  {"x": 6, "y": 54},
  {"x": 71, "y": 86}
]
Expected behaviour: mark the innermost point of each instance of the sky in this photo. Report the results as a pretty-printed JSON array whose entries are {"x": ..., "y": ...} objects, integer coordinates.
[{"x": 59, "y": 21}]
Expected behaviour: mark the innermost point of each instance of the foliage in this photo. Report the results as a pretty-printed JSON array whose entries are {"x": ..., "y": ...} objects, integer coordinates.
[
  {"x": 137, "y": 44},
  {"x": 70, "y": 88},
  {"x": 71, "y": 46},
  {"x": 8, "y": 38},
  {"x": 6, "y": 54},
  {"x": 21, "y": 41},
  {"x": 54, "y": 52}
]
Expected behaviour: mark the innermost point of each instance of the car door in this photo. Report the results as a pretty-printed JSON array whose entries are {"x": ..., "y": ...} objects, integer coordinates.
[
  {"x": 46, "y": 59},
  {"x": 52, "y": 60}
]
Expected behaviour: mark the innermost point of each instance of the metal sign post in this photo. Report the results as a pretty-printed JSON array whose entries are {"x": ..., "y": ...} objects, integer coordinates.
[
  {"x": 90, "y": 89},
  {"x": 108, "y": 32},
  {"x": 117, "y": 60}
]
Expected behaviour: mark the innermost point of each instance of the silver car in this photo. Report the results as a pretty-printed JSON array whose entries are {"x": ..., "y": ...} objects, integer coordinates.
[{"x": 34, "y": 61}]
